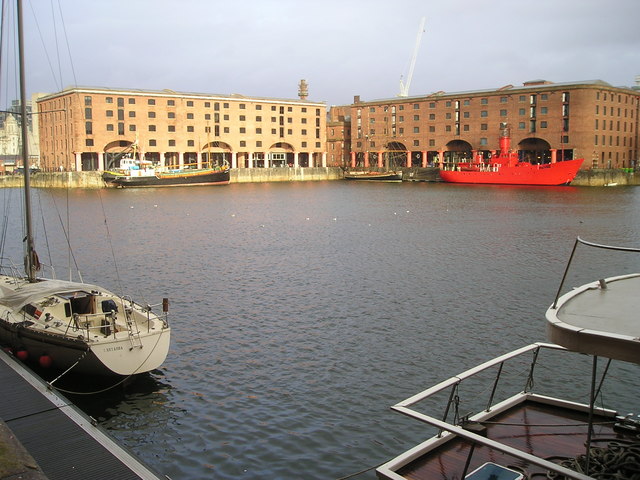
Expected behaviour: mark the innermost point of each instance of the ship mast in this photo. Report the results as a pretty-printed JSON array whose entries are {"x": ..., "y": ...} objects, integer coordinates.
[{"x": 31, "y": 264}]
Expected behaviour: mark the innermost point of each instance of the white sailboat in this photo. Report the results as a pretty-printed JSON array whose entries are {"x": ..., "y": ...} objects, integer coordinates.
[{"x": 73, "y": 326}]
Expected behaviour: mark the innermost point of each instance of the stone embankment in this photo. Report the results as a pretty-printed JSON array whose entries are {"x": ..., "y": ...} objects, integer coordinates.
[{"x": 585, "y": 178}]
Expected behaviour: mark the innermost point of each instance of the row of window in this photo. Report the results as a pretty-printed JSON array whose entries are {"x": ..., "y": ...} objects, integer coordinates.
[
  {"x": 612, "y": 111},
  {"x": 532, "y": 99},
  {"x": 612, "y": 97},
  {"x": 604, "y": 126},
  {"x": 532, "y": 125},
  {"x": 88, "y": 101},
  {"x": 533, "y": 111},
  {"x": 603, "y": 141},
  {"x": 191, "y": 143},
  {"x": 110, "y": 127},
  {"x": 88, "y": 115}
]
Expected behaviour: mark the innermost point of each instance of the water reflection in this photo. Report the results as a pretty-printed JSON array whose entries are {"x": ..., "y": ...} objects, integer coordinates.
[{"x": 301, "y": 312}]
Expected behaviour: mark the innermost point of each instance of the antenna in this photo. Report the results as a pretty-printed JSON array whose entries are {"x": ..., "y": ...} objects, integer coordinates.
[{"x": 404, "y": 88}]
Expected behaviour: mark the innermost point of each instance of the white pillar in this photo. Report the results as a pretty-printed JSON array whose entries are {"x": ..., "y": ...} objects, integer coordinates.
[
  {"x": 78, "y": 162},
  {"x": 296, "y": 163},
  {"x": 234, "y": 160},
  {"x": 162, "y": 162},
  {"x": 324, "y": 159},
  {"x": 101, "y": 161},
  {"x": 181, "y": 160},
  {"x": 310, "y": 159},
  {"x": 250, "y": 159},
  {"x": 199, "y": 159}
]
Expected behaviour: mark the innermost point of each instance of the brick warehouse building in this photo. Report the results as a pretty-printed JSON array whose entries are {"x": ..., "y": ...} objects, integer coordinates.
[
  {"x": 87, "y": 128},
  {"x": 548, "y": 122}
]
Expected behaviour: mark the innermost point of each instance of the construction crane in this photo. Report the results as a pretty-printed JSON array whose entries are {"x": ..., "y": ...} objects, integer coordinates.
[{"x": 404, "y": 87}]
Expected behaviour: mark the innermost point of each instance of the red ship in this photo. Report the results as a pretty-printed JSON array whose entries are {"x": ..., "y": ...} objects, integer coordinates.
[{"x": 507, "y": 169}]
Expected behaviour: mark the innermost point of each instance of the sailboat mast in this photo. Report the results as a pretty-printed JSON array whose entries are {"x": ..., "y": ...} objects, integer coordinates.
[{"x": 29, "y": 259}]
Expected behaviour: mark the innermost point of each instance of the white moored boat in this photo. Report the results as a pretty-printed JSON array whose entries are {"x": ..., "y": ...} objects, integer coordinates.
[
  {"x": 72, "y": 326},
  {"x": 540, "y": 410}
]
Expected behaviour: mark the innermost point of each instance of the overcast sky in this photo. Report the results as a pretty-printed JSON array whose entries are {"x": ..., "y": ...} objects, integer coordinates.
[{"x": 341, "y": 47}]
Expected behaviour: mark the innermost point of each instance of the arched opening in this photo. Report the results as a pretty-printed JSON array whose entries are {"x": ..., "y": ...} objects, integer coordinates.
[
  {"x": 457, "y": 151},
  {"x": 216, "y": 154},
  {"x": 281, "y": 155},
  {"x": 396, "y": 155},
  {"x": 114, "y": 151},
  {"x": 534, "y": 150}
]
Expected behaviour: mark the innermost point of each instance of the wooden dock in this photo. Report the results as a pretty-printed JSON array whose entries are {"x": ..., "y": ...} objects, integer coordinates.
[{"x": 62, "y": 441}]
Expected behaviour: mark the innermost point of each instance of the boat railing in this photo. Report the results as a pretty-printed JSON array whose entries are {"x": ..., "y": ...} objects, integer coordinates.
[
  {"x": 486, "y": 408},
  {"x": 573, "y": 251},
  {"x": 7, "y": 267},
  {"x": 92, "y": 323}
]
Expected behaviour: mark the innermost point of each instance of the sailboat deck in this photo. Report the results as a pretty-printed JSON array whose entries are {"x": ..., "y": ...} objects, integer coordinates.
[{"x": 546, "y": 431}]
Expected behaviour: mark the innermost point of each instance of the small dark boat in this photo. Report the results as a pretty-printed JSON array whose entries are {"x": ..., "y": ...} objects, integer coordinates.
[{"x": 388, "y": 176}]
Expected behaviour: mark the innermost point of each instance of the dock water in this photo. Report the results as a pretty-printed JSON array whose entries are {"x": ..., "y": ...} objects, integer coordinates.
[{"x": 43, "y": 436}]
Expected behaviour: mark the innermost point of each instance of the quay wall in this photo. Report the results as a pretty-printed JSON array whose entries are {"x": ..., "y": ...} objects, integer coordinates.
[
  {"x": 585, "y": 178},
  {"x": 285, "y": 174}
]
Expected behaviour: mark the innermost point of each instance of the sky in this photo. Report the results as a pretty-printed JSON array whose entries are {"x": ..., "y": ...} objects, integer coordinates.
[{"x": 341, "y": 47}]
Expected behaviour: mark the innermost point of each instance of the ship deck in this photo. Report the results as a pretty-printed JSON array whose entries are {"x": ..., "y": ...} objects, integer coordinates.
[
  {"x": 599, "y": 318},
  {"x": 544, "y": 430},
  {"x": 61, "y": 439}
]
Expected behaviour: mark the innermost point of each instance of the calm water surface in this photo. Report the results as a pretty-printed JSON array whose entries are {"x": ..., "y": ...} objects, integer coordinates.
[{"x": 302, "y": 311}]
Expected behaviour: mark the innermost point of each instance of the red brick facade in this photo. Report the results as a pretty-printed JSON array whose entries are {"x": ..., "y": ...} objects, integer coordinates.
[{"x": 592, "y": 120}]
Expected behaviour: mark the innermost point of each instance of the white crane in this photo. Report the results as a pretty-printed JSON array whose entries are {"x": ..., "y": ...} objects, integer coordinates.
[{"x": 404, "y": 88}]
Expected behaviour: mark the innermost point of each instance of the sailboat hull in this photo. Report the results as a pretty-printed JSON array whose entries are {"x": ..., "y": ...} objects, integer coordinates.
[{"x": 64, "y": 325}]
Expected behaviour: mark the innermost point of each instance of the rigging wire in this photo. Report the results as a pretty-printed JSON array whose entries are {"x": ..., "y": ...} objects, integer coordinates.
[
  {"x": 44, "y": 229},
  {"x": 66, "y": 39},
  {"x": 66, "y": 236},
  {"x": 57, "y": 81},
  {"x": 113, "y": 253}
]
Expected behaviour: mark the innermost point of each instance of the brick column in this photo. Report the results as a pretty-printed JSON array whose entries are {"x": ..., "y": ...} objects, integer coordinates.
[{"x": 353, "y": 159}]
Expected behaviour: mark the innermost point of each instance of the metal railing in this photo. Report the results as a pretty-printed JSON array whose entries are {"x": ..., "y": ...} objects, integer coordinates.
[
  {"x": 573, "y": 251},
  {"x": 457, "y": 427}
]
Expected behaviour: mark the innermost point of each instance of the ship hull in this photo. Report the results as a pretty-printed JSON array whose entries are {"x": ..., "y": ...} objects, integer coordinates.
[
  {"x": 177, "y": 179},
  {"x": 374, "y": 176},
  {"x": 560, "y": 173}
]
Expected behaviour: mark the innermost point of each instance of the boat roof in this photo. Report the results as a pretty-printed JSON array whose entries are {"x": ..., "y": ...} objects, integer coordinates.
[
  {"x": 599, "y": 318},
  {"x": 17, "y": 298}
]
